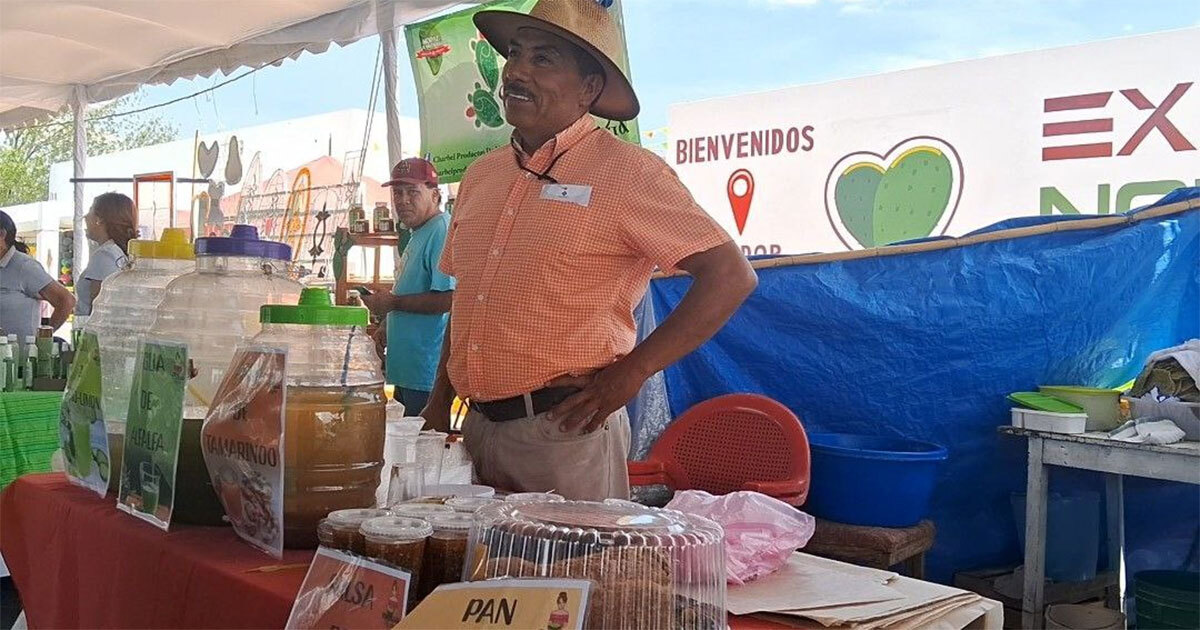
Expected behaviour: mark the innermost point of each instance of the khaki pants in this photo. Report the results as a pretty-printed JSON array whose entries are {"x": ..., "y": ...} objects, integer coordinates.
[{"x": 533, "y": 455}]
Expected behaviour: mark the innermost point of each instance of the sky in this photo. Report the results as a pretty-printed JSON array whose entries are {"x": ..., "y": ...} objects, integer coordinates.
[{"x": 688, "y": 50}]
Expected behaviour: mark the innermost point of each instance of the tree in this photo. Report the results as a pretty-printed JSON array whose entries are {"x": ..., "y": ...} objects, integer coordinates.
[{"x": 26, "y": 153}]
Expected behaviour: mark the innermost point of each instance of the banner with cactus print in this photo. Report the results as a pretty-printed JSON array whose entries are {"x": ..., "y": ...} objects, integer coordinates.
[{"x": 458, "y": 82}]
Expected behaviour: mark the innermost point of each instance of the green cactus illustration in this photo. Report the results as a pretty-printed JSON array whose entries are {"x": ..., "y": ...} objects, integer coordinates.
[
  {"x": 484, "y": 108},
  {"x": 487, "y": 62},
  {"x": 903, "y": 202},
  {"x": 854, "y": 194},
  {"x": 912, "y": 196}
]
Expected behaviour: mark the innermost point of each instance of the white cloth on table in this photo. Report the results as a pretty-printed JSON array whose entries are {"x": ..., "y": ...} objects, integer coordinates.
[{"x": 1147, "y": 431}]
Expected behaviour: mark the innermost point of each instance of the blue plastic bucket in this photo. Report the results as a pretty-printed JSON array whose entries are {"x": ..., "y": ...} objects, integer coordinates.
[{"x": 874, "y": 481}]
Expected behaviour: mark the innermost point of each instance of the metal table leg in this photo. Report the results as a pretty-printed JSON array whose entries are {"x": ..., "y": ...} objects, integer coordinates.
[
  {"x": 1115, "y": 499},
  {"x": 1033, "y": 604}
]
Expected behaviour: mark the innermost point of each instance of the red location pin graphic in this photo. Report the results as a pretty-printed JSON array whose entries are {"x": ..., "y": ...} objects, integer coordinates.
[{"x": 740, "y": 203}]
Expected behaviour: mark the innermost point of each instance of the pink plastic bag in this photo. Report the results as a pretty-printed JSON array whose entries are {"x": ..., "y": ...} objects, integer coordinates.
[{"x": 761, "y": 532}]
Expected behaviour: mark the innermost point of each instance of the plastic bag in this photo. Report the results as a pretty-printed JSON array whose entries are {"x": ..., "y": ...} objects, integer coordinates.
[
  {"x": 761, "y": 532},
  {"x": 242, "y": 441}
]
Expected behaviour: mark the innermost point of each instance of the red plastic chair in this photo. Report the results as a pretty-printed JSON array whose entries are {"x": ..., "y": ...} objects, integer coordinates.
[{"x": 733, "y": 442}]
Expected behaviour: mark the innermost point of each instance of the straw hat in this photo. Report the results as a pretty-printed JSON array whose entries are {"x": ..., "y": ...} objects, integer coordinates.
[{"x": 585, "y": 23}]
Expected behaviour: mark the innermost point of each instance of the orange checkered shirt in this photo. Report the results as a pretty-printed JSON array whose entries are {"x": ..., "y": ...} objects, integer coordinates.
[{"x": 547, "y": 287}]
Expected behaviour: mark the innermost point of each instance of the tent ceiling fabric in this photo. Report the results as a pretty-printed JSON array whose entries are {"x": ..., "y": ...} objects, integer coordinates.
[{"x": 113, "y": 46}]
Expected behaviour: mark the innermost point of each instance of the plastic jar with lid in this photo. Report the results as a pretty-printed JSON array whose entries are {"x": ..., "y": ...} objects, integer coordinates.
[
  {"x": 469, "y": 505},
  {"x": 399, "y": 542},
  {"x": 335, "y": 415},
  {"x": 534, "y": 497},
  {"x": 446, "y": 551},
  {"x": 341, "y": 529},
  {"x": 416, "y": 509},
  {"x": 123, "y": 313},
  {"x": 212, "y": 310}
]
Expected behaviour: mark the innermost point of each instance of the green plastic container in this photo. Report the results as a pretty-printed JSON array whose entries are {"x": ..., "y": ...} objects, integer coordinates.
[
  {"x": 1167, "y": 599},
  {"x": 1103, "y": 406}
]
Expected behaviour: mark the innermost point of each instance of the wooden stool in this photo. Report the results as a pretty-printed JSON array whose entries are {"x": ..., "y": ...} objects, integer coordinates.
[{"x": 875, "y": 547}]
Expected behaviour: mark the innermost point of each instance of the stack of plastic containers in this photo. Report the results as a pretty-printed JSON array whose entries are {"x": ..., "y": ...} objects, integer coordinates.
[
  {"x": 122, "y": 315},
  {"x": 335, "y": 410},
  {"x": 213, "y": 309}
]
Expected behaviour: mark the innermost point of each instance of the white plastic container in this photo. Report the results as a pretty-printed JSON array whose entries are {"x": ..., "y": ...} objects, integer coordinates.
[
  {"x": 1049, "y": 421},
  {"x": 213, "y": 309},
  {"x": 125, "y": 311}
]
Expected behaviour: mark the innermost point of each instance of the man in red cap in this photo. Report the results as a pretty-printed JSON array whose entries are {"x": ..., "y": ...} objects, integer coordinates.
[{"x": 416, "y": 309}]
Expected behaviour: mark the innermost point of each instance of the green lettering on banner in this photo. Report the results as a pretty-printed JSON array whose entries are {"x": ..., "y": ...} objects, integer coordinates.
[
  {"x": 152, "y": 432},
  {"x": 82, "y": 436},
  {"x": 1129, "y": 192},
  {"x": 1052, "y": 198},
  {"x": 458, "y": 76}
]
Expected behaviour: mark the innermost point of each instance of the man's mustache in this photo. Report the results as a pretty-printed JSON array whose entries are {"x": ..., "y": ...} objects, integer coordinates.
[{"x": 514, "y": 89}]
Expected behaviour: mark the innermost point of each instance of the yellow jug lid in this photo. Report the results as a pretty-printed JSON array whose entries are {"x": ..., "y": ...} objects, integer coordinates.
[{"x": 173, "y": 244}]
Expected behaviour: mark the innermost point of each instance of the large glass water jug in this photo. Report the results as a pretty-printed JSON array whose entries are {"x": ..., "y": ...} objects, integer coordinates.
[
  {"x": 335, "y": 415},
  {"x": 213, "y": 309}
]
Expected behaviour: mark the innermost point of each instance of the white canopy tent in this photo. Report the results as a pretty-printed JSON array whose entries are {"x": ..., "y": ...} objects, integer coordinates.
[{"x": 68, "y": 53}]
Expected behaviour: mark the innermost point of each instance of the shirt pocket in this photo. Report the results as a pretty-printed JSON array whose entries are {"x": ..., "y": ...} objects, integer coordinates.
[{"x": 568, "y": 227}]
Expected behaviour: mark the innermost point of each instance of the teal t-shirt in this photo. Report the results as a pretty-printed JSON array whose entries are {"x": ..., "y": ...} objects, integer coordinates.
[{"x": 415, "y": 341}]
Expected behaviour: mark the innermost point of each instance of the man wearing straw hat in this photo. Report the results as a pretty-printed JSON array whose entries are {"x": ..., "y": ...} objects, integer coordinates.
[{"x": 553, "y": 242}]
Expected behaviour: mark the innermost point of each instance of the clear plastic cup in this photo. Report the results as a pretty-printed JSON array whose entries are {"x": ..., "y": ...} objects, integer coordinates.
[
  {"x": 431, "y": 451},
  {"x": 340, "y": 530},
  {"x": 407, "y": 483}
]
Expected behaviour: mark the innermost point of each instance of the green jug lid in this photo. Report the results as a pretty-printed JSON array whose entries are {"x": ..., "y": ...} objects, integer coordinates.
[{"x": 315, "y": 309}]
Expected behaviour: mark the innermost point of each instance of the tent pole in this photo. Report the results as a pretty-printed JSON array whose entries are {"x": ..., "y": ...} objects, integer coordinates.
[
  {"x": 385, "y": 23},
  {"x": 384, "y": 15},
  {"x": 79, "y": 242}
]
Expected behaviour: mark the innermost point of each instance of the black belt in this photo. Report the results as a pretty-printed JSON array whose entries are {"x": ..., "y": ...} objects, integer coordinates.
[{"x": 514, "y": 408}]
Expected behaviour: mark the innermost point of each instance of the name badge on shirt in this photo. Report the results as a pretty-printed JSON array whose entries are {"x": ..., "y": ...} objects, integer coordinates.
[{"x": 578, "y": 195}]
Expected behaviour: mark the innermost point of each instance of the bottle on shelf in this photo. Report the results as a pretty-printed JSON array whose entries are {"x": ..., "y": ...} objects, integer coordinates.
[
  {"x": 384, "y": 223},
  {"x": 56, "y": 370},
  {"x": 8, "y": 375},
  {"x": 45, "y": 342},
  {"x": 30, "y": 365}
]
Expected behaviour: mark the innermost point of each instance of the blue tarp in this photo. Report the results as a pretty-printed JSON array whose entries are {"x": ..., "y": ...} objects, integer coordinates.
[{"x": 927, "y": 345}]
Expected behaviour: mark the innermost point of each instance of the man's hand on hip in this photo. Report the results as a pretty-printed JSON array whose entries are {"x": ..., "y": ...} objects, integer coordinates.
[
  {"x": 437, "y": 414},
  {"x": 601, "y": 393}
]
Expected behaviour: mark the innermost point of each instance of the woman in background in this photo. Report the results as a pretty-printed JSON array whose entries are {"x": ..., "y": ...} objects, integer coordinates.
[
  {"x": 110, "y": 225},
  {"x": 23, "y": 284}
]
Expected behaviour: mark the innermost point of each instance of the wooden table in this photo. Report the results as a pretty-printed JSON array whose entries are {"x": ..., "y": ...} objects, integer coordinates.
[{"x": 1090, "y": 451}]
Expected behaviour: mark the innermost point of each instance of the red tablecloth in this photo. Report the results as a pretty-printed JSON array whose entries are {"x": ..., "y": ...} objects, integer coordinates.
[{"x": 78, "y": 562}]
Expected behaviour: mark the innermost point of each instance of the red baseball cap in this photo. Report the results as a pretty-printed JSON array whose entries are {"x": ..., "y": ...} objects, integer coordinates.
[{"x": 413, "y": 171}]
